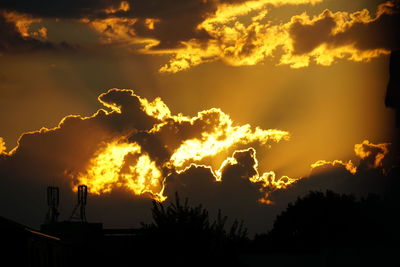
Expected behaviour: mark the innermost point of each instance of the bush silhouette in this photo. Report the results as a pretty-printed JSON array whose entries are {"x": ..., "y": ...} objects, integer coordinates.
[
  {"x": 321, "y": 220},
  {"x": 190, "y": 231}
]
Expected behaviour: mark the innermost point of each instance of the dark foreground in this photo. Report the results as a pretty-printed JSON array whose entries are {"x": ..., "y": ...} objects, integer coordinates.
[{"x": 321, "y": 229}]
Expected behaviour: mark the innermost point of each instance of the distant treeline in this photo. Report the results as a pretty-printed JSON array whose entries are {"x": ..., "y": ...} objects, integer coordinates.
[
  {"x": 315, "y": 222},
  {"x": 329, "y": 220}
]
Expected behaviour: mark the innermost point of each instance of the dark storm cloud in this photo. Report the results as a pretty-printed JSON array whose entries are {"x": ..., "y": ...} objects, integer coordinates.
[{"x": 360, "y": 30}]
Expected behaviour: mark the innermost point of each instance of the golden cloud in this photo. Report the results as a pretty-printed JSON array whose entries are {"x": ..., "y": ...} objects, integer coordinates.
[
  {"x": 371, "y": 157},
  {"x": 3, "y": 147},
  {"x": 128, "y": 162},
  {"x": 123, "y": 7},
  {"x": 136, "y": 144},
  {"x": 321, "y": 39},
  {"x": 349, "y": 166},
  {"x": 23, "y": 24},
  {"x": 237, "y": 33},
  {"x": 373, "y": 154}
]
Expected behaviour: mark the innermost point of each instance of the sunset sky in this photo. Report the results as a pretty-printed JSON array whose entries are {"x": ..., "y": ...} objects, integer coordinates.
[{"x": 227, "y": 101}]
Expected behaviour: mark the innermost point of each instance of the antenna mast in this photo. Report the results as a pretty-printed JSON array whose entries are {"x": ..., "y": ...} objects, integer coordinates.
[
  {"x": 79, "y": 212},
  {"x": 53, "y": 199}
]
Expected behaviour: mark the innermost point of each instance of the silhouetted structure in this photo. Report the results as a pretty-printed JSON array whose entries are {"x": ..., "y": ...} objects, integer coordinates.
[
  {"x": 23, "y": 246},
  {"x": 81, "y": 240},
  {"x": 392, "y": 99},
  {"x": 53, "y": 200},
  {"x": 180, "y": 235},
  {"x": 319, "y": 229},
  {"x": 79, "y": 212}
]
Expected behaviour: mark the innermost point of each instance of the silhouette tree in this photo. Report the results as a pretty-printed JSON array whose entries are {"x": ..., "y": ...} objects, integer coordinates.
[
  {"x": 190, "y": 237},
  {"x": 322, "y": 220}
]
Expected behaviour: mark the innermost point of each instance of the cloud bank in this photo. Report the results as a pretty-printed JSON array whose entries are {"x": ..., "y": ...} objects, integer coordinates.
[
  {"x": 194, "y": 32},
  {"x": 136, "y": 144},
  {"x": 135, "y": 150}
]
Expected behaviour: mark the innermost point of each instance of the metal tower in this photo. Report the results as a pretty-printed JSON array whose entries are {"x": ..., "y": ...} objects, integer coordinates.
[
  {"x": 53, "y": 199},
  {"x": 79, "y": 212}
]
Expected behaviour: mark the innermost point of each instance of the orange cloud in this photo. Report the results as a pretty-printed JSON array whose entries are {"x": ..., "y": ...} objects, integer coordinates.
[
  {"x": 150, "y": 23},
  {"x": 349, "y": 166},
  {"x": 23, "y": 24},
  {"x": 322, "y": 39},
  {"x": 371, "y": 156},
  {"x": 3, "y": 147},
  {"x": 342, "y": 35},
  {"x": 268, "y": 180},
  {"x": 136, "y": 144},
  {"x": 188, "y": 141},
  {"x": 237, "y": 33},
  {"x": 114, "y": 30},
  {"x": 123, "y": 7},
  {"x": 18, "y": 34},
  {"x": 204, "y": 36},
  {"x": 123, "y": 164}
]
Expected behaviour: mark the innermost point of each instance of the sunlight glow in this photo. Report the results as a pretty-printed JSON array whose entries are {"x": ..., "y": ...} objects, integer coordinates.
[{"x": 120, "y": 163}]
